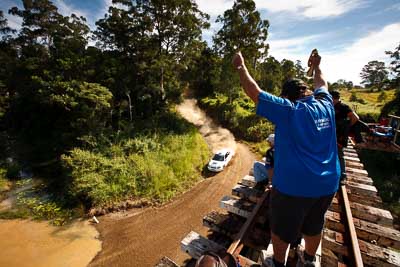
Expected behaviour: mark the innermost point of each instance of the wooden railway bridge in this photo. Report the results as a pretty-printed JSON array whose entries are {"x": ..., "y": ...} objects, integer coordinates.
[{"x": 358, "y": 231}]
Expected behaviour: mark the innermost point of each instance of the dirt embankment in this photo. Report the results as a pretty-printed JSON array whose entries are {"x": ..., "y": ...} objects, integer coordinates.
[{"x": 142, "y": 238}]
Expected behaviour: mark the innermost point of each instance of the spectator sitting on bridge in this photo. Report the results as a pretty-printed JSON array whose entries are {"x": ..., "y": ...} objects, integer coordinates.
[
  {"x": 306, "y": 171},
  {"x": 263, "y": 171}
]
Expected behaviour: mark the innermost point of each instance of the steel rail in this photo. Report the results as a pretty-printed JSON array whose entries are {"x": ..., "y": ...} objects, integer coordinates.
[
  {"x": 352, "y": 230},
  {"x": 236, "y": 246}
]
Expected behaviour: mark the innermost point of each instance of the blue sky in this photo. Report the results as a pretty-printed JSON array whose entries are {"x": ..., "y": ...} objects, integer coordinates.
[{"x": 347, "y": 33}]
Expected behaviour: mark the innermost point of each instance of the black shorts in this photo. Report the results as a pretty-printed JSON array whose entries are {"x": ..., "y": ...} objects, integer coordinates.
[{"x": 292, "y": 216}]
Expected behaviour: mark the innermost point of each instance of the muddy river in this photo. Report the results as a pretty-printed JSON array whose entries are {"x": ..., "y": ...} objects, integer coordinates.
[{"x": 34, "y": 244}]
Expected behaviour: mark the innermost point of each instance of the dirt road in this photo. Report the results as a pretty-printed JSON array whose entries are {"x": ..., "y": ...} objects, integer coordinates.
[{"x": 142, "y": 239}]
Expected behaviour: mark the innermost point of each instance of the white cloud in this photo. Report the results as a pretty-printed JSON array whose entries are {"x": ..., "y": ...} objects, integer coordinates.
[
  {"x": 345, "y": 63},
  {"x": 290, "y": 48},
  {"x": 67, "y": 10},
  {"x": 104, "y": 9},
  {"x": 305, "y": 8},
  {"x": 14, "y": 22},
  {"x": 214, "y": 7},
  {"x": 310, "y": 8},
  {"x": 348, "y": 63}
]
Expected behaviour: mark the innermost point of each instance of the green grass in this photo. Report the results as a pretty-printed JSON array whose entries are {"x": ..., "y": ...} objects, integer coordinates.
[
  {"x": 258, "y": 148},
  {"x": 372, "y": 104},
  {"x": 155, "y": 166},
  {"x": 4, "y": 183},
  {"x": 34, "y": 202}
]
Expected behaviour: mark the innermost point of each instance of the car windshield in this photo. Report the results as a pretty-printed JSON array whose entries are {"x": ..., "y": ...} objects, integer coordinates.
[{"x": 218, "y": 157}]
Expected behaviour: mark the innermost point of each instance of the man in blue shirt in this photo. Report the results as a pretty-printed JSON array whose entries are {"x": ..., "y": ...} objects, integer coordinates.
[{"x": 306, "y": 173}]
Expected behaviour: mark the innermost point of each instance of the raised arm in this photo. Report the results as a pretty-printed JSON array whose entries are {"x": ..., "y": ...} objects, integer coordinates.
[
  {"x": 319, "y": 80},
  {"x": 248, "y": 83}
]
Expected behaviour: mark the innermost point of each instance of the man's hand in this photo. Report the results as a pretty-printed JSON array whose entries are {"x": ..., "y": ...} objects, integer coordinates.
[
  {"x": 312, "y": 62},
  {"x": 238, "y": 61},
  {"x": 250, "y": 86},
  {"x": 315, "y": 60}
]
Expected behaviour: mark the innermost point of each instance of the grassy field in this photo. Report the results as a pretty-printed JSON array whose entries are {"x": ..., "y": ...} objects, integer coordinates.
[{"x": 367, "y": 102}]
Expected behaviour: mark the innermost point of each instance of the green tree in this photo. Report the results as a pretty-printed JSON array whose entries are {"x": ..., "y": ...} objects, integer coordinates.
[
  {"x": 395, "y": 65},
  {"x": 300, "y": 71},
  {"x": 349, "y": 85},
  {"x": 153, "y": 43},
  {"x": 177, "y": 27},
  {"x": 243, "y": 29},
  {"x": 374, "y": 74},
  {"x": 8, "y": 58},
  {"x": 205, "y": 72},
  {"x": 271, "y": 75},
  {"x": 51, "y": 106},
  {"x": 289, "y": 69},
  {"x": 4, "y": 28}
]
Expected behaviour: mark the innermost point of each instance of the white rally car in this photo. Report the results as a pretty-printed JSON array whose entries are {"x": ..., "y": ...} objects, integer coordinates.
[{"x": 220, "y": 160}]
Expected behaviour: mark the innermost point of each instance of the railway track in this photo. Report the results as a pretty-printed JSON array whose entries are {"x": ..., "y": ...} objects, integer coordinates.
[{"x": 358, "y": 231}]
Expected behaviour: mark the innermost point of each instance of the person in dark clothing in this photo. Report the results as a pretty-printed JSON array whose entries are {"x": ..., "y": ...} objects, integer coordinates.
[{"x": 346, "y": 119}]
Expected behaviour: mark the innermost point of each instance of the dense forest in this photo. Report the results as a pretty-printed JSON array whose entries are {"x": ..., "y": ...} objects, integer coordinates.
[{"x": 92, "y": 111}]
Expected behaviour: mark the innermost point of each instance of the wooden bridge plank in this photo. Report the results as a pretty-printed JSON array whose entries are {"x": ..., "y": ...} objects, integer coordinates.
[
  {"x": 367, "y": 213},
  {"x": 362, "y": 189},
  {"x": 356, "y": 171},
  {"x": 363, "y": 197},
  {"x": 349, "y": 148},
  {"x": 237, "y": 243},
  {"x": 247, "y": 193},
  {"x": 370, "y": 232},
  {"x": 354, "y": 164},
  {"x": 361, "y": 179},
  {"x": 230, "y": 225},
  {"x": 350, "y": 154},
  {"x": 223, "y": 223},
  {"x": 329, "y": 259},
  {"x": 372, "y": 255},
  {"x": 196, "y": 245},
  {"x": 347, "y": 158},
  {"x": 237, "y": 206},
  {"x": 378, "y": 256},
  {"x": 249, "y": 181},
  {"x": 370, "y": 201}
]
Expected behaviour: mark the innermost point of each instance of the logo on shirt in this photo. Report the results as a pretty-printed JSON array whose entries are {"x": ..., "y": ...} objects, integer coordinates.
[{"x": 323, "y": 123}]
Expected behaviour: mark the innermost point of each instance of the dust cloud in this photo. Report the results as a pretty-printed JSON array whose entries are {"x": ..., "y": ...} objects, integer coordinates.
[{"x": 215, "y": 136}]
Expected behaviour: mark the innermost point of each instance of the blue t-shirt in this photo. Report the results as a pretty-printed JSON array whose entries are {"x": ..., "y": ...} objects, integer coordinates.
[{"x": 306, "y": 158}]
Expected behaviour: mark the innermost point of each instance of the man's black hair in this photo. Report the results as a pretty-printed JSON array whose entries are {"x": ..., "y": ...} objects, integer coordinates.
[
  {"x": 335, "y": 94},
  {"x": 292, "y": 89}
]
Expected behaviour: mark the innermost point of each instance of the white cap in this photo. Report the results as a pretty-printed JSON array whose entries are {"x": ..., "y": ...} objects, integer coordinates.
[{"x": 271, "y": 139}]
